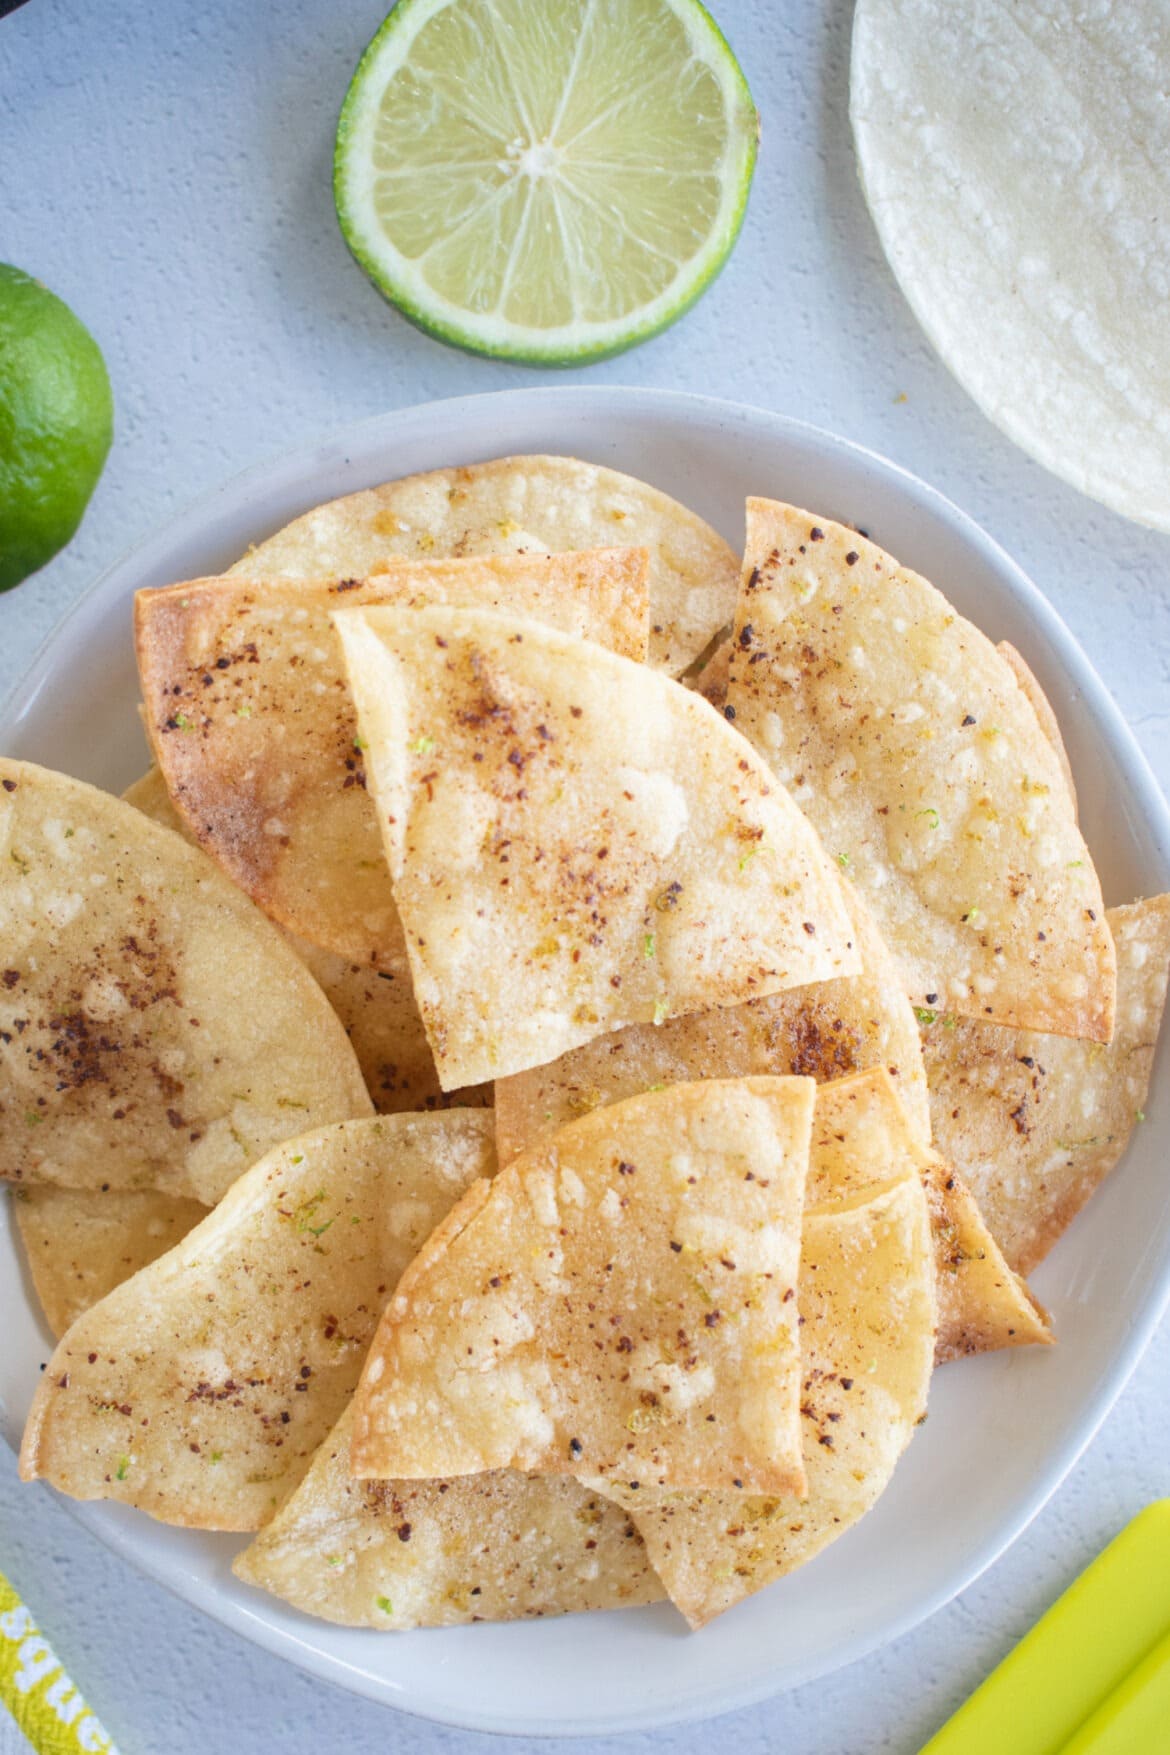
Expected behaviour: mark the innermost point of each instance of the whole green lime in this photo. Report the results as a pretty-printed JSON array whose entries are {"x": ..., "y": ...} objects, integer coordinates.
[{"x": 56, "y": 423}]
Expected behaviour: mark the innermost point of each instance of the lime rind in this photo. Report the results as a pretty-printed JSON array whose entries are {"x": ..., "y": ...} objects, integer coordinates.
[{"x": 581, "y": 341}]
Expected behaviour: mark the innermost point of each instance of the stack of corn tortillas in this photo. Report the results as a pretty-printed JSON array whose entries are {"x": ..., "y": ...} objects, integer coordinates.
[
  {"x": 1016, "y": 160},
  {"x": 509, "y": 1134}
]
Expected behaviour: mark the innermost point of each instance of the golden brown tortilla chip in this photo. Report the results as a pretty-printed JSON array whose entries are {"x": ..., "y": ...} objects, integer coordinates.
[
  {"x": 155, "y": 1030},
  {"x": 905, "y": 736},
  {"x": 254, "y": 731},
  {"x": 396, "y": 1554},
  {"x": 375, "y": 1004},
  {"x": 526, "y": 504},
  {"x": 867, "y": 1338},
  {"x": 1035, "y": 1122},
  {"x": 81, "y": 1242},
  {"x": 822, "y": 1031},
  {"x": 200, "y": 1389},
  {"x": 982, "y": 1305},
  {"x": 576, "y": 842},
  {"x": 619, "y": 1301},
  {"x": 859, "y": 1125},
  {"x": 1042, "y": 708}
]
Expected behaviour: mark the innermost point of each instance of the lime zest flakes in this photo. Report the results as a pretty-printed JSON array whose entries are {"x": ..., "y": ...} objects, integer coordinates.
[
  {"x": 651, "y": 1090},
  {"x": 297, "y": 1158},
  {"x": 844, "y": 861},
  {"x": 123, "y": 1468},
  {"x": 333, "y": 1559},
  {"x": 746, "y": 858},
  {"x": 386, "y": 1606},
  {"x": 972, "y": 917},
  {"x": 661, "y": 1009},
  {"x": 307, "y": 1212},
  {"x": 650, "y": 944},
  {"x": 33, "y": 1117},
  {"x": 360, "y": 744},
  {"x": 182, "y": 723},
  {"x": 1139, "y": 1115},
  {"x": 422, "y": 746},
  {"x": 243, "y": 711},
  {"x": 924, "y": 1014},
  {"x": 216, "y": 1456},
  {"x": 931, "y": 815},
  {"x": 1078, "y": 1145}
]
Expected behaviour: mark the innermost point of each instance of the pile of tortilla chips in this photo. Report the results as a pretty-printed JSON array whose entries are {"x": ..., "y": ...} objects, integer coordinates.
[{"x": 513, "y": 1107}]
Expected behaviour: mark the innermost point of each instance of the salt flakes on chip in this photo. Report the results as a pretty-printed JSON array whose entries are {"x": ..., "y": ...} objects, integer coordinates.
[
  {"x": 906, "y": 738},
  {"x": 1036, "y": 1122},
  {"x": 199, "y": 1389},
  {"x": 619, "y": 1301},
  {"x": 255, "y": 734},
  {"x": 867, "y": 1303},
  {"x": 822, "y": 1031},
  {"x": 155, "y": 1030},
  {"x": 494, "y": 1547},
  {"x": 576, "y": 842},
  {"x": 526, "y": 504}
]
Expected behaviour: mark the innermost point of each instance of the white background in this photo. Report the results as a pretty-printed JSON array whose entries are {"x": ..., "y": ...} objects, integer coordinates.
[{"x": 166, "y": 169}]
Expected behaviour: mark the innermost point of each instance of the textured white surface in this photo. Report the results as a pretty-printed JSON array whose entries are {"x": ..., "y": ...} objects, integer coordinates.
[{"x": 167, "y": 172}]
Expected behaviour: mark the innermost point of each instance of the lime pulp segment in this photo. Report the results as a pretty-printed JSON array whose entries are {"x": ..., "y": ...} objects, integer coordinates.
[{"x": 548, "y": 180}]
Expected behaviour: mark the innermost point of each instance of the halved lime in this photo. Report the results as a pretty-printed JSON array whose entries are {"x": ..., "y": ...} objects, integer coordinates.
[{"x": 545, "y": 180}]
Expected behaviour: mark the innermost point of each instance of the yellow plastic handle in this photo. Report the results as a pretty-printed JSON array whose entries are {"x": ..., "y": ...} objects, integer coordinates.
[{"x": 1135, "y": 1717}]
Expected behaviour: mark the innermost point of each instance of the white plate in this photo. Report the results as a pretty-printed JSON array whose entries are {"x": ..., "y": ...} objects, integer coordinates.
[{"x": 1004, "y": 1429}]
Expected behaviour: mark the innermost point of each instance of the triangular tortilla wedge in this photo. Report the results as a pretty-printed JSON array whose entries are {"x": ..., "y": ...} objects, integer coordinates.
[
  {"x": 620, "y": 1301},
  {"x": 81, "y": 1243},
  {"x": 524, "y": 504},
  {"x": 867, "y": 1338},
  {"x": 396, "y": 1554},
  {"x": 906, "y": 738},
  {"x": 252, "y": 726},
  {"x": 859, "y": 1125},
  {"x": 155, "y": 1030},
  {"x": 200, "y": 1389},
  {"x": 375, "y": 1002},
  {"x": 1036, "y": 1122},
  {"x": 576, "y": 842},
  {"x": 1042, "y": 708},
  {"x": 822, "y": 1031}
]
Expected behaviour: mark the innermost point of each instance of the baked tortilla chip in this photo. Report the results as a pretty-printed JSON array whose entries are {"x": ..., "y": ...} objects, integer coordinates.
[
  {"x": 1036, "y": 1122},
  {"x": 867, "y": 1339},
  {"x": 1042, "y": 708},
  {"x": 375, "y": 1004},
  {"x": 859, "y": 1125},
  {"x": 576, "y": 843},
  {"x": 982, "y": 1305},
  {"x": 397, "y": 1554},
  {"x": 618, "y": 1302},
  {"x": 254, "y": 731},
  {"x": 526, "y": 504},
  {"x": 905, "y": 736},
  {"x": 200, "y": 1389},
  {"x": 81, "y": 1243},
  {"x": 155, "y": 1030},
  {"x": 823, "y": 1032}
]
